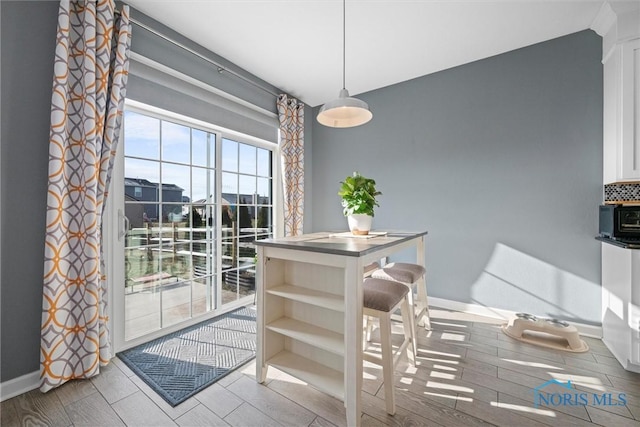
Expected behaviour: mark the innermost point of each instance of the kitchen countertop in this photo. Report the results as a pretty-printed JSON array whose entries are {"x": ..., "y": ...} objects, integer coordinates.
[{"x": 625, "y": 245}]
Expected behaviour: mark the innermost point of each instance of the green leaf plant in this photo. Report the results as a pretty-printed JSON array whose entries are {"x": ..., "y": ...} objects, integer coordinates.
[{"x": 358, "y": 195}]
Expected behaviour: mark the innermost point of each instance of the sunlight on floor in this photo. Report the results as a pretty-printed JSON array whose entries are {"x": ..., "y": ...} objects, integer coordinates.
[
  {"x": 453, "y": 337},
  {"x": 532, "y": 364},
  {"x": 406, "y": 380},
  {"x": 521, "y": 408},
  {"x": 436, "y": 374},
  {"x": 410, "y": 369},
  {"x": 455, "y": 325},
  {"x": 438, "y": 353},
  {"x": 590, "y": 382},
  {"x": 445, "y": 368},
  {"x": 433, "y": 384},
  {"x": 449, "y": 396},
  {"x": 431, "y": 359}
]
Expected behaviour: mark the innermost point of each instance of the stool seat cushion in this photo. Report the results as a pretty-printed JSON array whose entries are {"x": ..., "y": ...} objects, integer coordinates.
[
  {"x": 382, "y": 295},
  {"x": 400, "y": 272}
]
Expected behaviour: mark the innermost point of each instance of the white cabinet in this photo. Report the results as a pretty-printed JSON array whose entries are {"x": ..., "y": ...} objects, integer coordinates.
[
  {"x": 621, "y": 119},
  {"x": 619, "y": 25},
  {"x": 630, "y": 109},
  {"x": 304, "y": 322},
  {"x": 621, "y": 304}
]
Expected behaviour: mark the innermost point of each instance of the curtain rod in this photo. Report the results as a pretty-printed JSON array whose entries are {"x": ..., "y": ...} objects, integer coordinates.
[{"x": 221, "y": 68}]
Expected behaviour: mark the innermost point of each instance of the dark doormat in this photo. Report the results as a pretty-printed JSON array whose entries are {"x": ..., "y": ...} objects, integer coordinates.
[{"x": 180, "y": 364}]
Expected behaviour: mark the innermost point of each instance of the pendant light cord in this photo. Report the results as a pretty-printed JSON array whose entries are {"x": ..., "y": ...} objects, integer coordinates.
[{"x": 344, "y": 43}]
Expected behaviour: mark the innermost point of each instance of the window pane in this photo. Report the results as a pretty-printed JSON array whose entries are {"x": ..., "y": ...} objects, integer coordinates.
[
  {"x": 264, "y": 191},
  {"x": 263, "y": 219},
  {"x": 228, "y": 217},
  {"x": 247, "y": 188},
  {"x": 204, "y": 217},
  {"x": 176, "y": 141},
  {"x": 229, "y": 252},
  {"x": 203, "y": 146},
  {"x": 229, "y": 155},
  {"x": 201, "y": 294},
  {"x": 229, "y": 186},
  {"x": 247, "y": 159},
  {"x": 142, "y": 134},
  {"x": 175, "y": 183},
  {"x": 245, "y": 218},
  {"x": 203, "y": 185},
  {"x": 142, "y": 173},
  {"x": 264, "y": 162}
]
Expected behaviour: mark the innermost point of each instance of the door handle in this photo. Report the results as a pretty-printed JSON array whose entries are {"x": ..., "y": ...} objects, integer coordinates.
[{"x": 123, "y": 225}]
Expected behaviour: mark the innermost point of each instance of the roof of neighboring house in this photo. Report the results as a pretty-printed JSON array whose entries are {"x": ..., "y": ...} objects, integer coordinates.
[{"x": 202, "y": 202}]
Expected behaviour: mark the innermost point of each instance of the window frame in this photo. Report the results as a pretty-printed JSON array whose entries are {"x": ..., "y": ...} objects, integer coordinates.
[{"x": 115, "y": 222}]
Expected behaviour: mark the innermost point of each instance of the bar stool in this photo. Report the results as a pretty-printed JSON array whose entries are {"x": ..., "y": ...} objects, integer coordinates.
[
  {"x": 412, "y": 276},
  {"x": 370, "y": 268},
  {"x": 381, "y": 299}
]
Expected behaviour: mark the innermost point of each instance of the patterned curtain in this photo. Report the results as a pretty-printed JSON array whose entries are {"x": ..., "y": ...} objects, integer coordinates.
[
  {"x": 90, "y": 75},
  {"x": 291, "y": 116}
]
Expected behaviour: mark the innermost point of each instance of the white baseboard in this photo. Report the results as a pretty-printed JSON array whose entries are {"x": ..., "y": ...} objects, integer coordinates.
[
  {"x": 20, "y": 385},
  {"x": 498, "y": 313}
]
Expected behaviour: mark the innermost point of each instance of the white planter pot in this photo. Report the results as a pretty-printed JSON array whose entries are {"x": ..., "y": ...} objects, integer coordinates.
[{"x": 359, "y": 224}]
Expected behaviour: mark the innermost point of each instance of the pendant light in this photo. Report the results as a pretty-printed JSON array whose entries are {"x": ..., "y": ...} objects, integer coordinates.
[{"x": 344, "y": 112}]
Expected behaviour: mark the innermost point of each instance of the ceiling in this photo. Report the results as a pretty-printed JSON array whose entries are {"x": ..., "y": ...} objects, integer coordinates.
[{"x": 296, "y": 45}]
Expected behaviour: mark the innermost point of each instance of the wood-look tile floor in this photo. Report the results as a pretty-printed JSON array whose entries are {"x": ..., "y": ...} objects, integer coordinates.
[{"x": 468, "y": 373}]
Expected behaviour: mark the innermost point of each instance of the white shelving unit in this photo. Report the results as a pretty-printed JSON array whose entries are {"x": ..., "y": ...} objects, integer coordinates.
[
  {"x": 309, "y": 291},
  {"x": 304, "y": 322}
]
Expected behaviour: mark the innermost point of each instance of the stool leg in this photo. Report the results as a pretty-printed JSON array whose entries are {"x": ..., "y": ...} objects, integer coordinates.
[
  {"x": 387, "y": 363},
  {"x": 369, "y": 328},
  {"x": 423, "y": 304},
  {"x": 413, "y": 308},
  {"x": 409, "y": 328}
]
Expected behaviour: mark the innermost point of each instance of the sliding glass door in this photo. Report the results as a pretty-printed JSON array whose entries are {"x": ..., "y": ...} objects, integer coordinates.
[{"x": 194, "y": 201}]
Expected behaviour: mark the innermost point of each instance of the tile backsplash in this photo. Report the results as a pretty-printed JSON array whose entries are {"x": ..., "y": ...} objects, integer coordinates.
[{"x": 622, "y": 192}]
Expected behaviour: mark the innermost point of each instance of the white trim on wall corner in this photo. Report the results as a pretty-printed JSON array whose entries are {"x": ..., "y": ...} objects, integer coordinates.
[
  {"x": 20, "y": 385},
  {"x": 604, "y": 20},
  {"x": 497, "y": 313}
]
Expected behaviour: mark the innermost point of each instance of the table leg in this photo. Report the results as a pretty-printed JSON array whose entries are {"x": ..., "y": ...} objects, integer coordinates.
[
  {"x": 353, "y": 341},
  {"x": 261, "y": 366}
]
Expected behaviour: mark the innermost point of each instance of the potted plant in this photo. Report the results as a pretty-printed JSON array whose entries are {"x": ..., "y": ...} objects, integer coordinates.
[{"x": 359, "y": 200}]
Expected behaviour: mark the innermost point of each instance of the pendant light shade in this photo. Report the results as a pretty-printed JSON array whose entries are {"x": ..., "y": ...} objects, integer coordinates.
[{"x": 344, "y": 112}]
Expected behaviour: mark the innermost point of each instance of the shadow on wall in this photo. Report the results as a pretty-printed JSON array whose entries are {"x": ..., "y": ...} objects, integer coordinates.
[{"x": 524, "y": 283}]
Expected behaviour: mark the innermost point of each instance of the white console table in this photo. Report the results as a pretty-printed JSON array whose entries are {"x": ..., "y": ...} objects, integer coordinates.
[{"x": 309, "y": 320}]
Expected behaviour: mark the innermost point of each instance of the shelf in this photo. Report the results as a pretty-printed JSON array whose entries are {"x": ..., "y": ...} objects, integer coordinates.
[
  {"x": 319, "y": 376},
  {"x": 309, "y": 296},
  {"x": 322, "y": 338}
]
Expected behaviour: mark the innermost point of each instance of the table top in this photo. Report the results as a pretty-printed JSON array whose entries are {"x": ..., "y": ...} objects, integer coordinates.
[{"x": 340, "y": 243}]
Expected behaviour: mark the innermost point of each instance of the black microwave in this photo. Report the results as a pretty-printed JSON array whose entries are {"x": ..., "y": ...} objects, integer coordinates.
[{"x": 620, "y": 222}]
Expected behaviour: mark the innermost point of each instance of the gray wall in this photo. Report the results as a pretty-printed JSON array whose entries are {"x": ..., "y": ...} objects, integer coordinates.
[
  {"x": 26, "y": 79},
  {"x": 501, "y": 160},
  {"x": 27, "y": 76}
]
